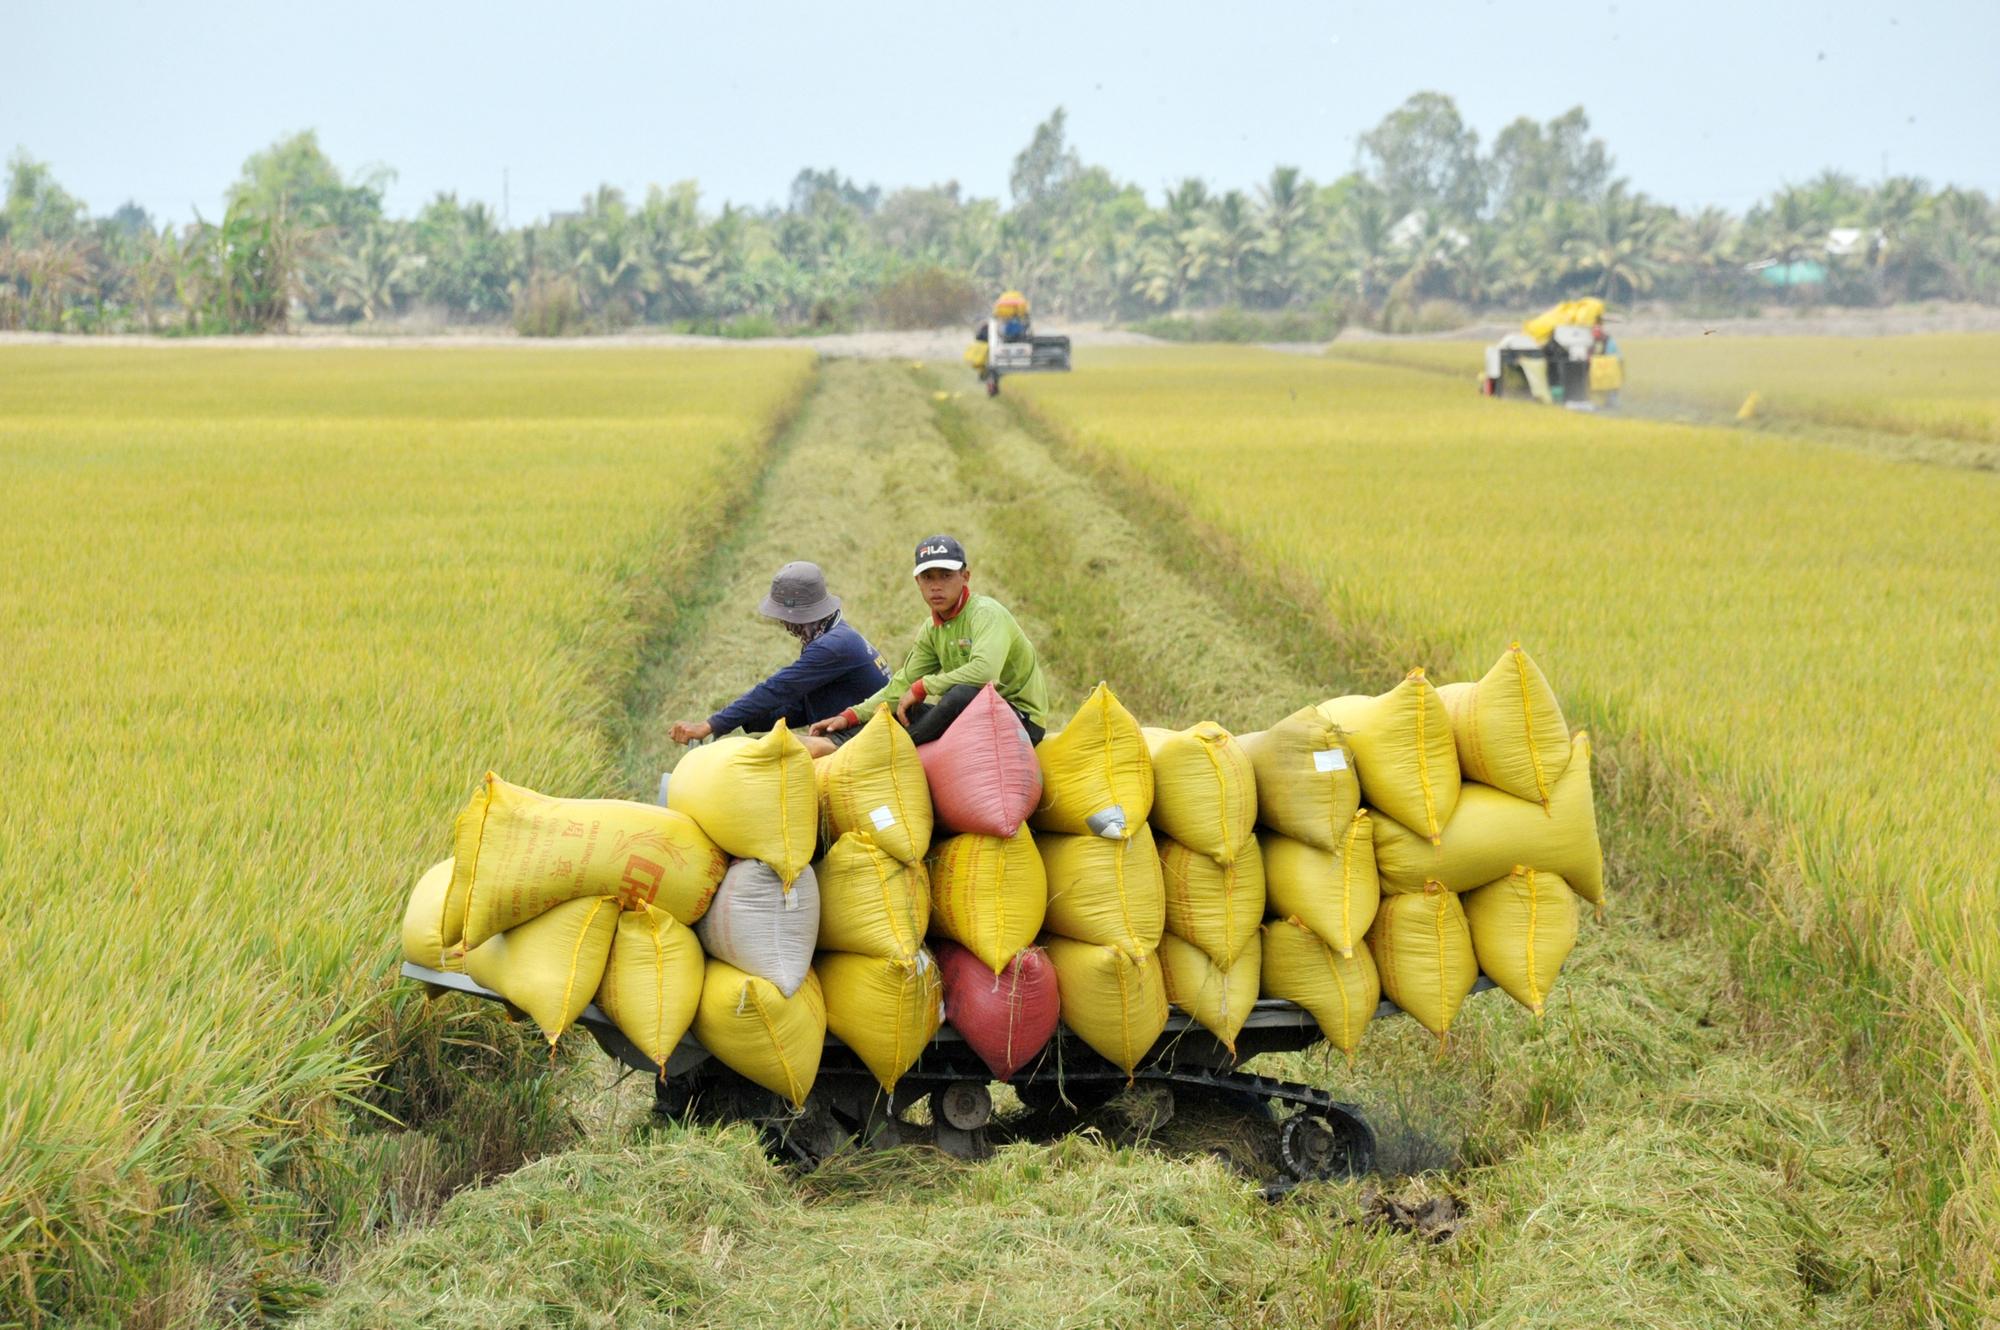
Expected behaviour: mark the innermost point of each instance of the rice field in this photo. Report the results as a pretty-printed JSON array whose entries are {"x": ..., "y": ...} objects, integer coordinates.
[
  {"x": 1942, "y": 384},
  {"x": 1796, "y": 629},
  {"x": 275, "y": 611},
  {"x": 267, "y": 617},
  {"x": 1636, "y": 1158}
]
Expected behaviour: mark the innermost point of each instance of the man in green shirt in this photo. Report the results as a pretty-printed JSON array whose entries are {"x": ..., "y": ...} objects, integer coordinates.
[{"x": 970, "y": 641}]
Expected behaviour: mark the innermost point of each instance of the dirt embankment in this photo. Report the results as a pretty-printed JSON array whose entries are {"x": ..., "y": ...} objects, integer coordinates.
[
  {"x": 947, "y": 343},
  {"x": 936, "y": 344}
]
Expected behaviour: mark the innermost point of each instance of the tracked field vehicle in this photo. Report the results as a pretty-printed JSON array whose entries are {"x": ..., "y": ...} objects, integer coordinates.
[
  {"x": 1561, "y": 357},
  {"x": 1309, "y": 1134},
  {"x": 1008, "y": 344}
]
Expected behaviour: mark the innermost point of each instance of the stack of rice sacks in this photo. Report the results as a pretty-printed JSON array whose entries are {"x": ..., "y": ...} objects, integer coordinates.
[
  {"x": 1484, "y": 833},
  {"x": 884, "y": 996},
  {"x": 1106, "y": 897},
  {"x": 1317, "y": 855},
  {"x": 988, "y": 888},
  {"x": 1205, "y": 826},
  {"x": 552, "y": 903},
  {"x": 762, "y": 1012}
]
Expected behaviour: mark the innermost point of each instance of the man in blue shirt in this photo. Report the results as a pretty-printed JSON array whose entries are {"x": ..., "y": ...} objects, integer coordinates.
[{"x": 836, "y": 666}]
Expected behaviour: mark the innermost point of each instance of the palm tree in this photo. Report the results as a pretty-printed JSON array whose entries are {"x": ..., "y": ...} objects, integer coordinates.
[
  {"x": 1177, "y": 247},
  {"x": 1959, "y": 238},
  {"x": 1365, "y": 253},
  {"x": 1543, "y": 241},
  {"x": 670, "y": 234},
  {"x": 1790, "y": 227},
  {"x": 372, "y": 275},
  {"x": 1287, "y": 200},
  {"x": 1425, "y": 256},
  {"x": 1704, "y": 246},
  {"x": 608, "y": 259},
  {"x": 1834, "y": 199},
  {"x": 1480, "y": 270},
  {"x": 1239, "y": 243},
  {"x": 1622, "y": 243},
  {"x": 1895, "y": 210}
]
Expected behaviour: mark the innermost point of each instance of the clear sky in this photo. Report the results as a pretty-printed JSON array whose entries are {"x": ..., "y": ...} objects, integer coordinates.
[{"x": 1701, "y": 101}]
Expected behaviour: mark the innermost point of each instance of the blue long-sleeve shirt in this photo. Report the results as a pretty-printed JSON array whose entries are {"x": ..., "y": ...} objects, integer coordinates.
[{"x": 833, "y": 672}]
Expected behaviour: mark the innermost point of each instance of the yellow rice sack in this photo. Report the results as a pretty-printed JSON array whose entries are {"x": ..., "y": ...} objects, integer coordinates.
[
  {"x": 1096, "y": 777},
  {"x": 1405, "y": 752},
  {"x": 1105, "y": 891},
  {"x": 754, "y": 796},
  {"x": 1215, "y": 906},
  {"x": 886, "y": 1011},
  {"x": 1220, "y": 999},
  {"x": 1306, "y": 783},
  {"x": 652, "y": 981},
  {"x": 761, "y": 1034},
  {"x": 551, "y": 965},
  {"x": 1492, "y": 832},
  {"x": 1423, "y": 950},
  {"x": 988, "y": 894},
  {"x": 429, "y": 939},
  {"x": 1341, "y": 992},
  {"x": 1523, "y": 927},
  {"x": 1332, "y": 893},
  {"x": 1509, "y": 729},
  {"x": 1115, "y": 1002},
  {"x": 870, "y": 902},
  {"x": 517, "y": 853},
  {"x": 1204, "y": 789},
  {"x": 875, "y": 783}
]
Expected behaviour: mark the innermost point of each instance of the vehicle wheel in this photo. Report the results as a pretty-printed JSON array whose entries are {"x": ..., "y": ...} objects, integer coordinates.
[
  {"x": 993, "y": 386},
  {"x": 1316, "y": 1146}
]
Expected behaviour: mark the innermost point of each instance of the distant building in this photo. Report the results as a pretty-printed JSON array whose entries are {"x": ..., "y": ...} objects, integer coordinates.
[
  {"x": 1842, "y": 242},
  {"x": 1799, "y": 272}
]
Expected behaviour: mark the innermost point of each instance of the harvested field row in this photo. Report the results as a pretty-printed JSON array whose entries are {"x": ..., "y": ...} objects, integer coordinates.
[{"x": 1645, "y": 1068}]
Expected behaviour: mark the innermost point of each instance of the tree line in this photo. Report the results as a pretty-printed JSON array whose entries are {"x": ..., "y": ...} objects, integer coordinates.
[{"x": 1427, "y": 224}]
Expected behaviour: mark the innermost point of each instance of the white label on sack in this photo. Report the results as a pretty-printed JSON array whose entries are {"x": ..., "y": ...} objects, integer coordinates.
[
  {"x": 791, "y": 898},
  {"x": 1330, "y": 759},
  {"x": 882, "y": 817}
]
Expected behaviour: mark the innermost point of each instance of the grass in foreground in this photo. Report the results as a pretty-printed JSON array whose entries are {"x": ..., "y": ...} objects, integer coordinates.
[
  {"x": 1638, "y": 1159},
  {"x": 269, "y": 615},
  {"x": 1772, "y": 620}
]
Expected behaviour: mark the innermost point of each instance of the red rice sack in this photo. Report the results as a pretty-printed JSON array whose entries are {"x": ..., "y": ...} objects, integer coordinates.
[
  {"x": 1007, "y": 1019},
  {"x": 983, "y": 773}
]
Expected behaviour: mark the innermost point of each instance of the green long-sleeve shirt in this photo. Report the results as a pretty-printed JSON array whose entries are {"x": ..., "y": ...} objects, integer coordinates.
[{"x": 980, "y": 644}]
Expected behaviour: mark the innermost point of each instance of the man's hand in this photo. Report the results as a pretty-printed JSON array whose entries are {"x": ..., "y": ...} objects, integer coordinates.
[
  {"x": 910, "y": 699},
  {"x": 690, "y": 731},
  {"x": 831, "y": 725}
]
